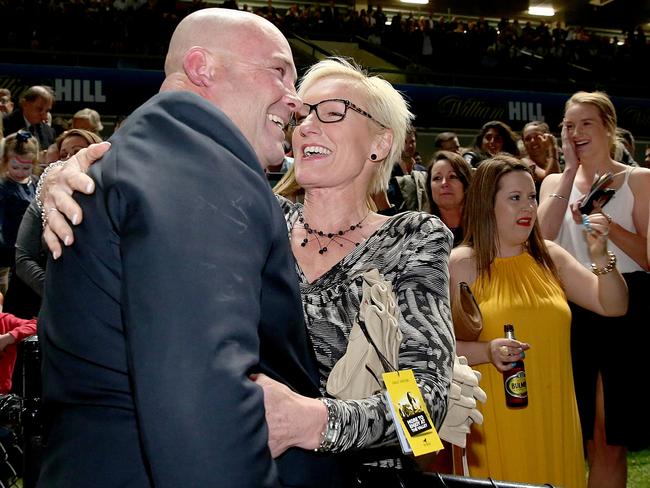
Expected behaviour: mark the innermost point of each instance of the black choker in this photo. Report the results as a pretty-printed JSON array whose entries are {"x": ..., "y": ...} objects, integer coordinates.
[{"x": 335, "y": 237}]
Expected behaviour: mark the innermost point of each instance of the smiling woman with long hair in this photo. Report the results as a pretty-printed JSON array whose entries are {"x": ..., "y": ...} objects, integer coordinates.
[
  {"x": 513, "y": 272},
  {"x": 448, "y": 179},
  {"x": 602, "y": 382}
]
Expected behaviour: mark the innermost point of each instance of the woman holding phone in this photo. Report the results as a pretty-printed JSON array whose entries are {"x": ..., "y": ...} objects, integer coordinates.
[{"x": 604, "y": 384}]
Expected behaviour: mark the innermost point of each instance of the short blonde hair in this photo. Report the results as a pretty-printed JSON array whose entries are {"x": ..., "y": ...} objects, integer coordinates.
[
  {"x": 92, "y": 116},
  {"x": 605, "y": 107},
  {"x": 86, "y": 135},
  {"x": 384, "y": 102}
]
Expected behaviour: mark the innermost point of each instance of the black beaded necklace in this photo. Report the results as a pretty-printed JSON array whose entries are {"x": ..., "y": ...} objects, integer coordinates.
[{"x": 335, "y": 237}]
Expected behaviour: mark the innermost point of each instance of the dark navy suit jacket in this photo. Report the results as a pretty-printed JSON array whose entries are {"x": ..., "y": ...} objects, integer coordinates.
[
  {"x": 15, "y": 122},
  {"x": 180, "y": 284}
]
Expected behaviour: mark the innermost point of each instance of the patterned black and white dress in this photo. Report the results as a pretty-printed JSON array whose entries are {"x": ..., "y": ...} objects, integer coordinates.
[{"x": 411, "y": 250}]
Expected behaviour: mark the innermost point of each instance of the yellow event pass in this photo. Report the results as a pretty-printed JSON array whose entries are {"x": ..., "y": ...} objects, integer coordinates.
[{"x": 417, "y": 433}]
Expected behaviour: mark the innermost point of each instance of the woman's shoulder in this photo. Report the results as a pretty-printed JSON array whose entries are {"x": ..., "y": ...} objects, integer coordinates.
[
  {"x": 462, "y": 264},
  {"x": 424, "y": 224},
  {"x": 417, "y": 219},
  {"x": 462, "y": 252},
  {"x": 558, "y": 254},
  {"x": 462, "y": 256},
  {"x": 286, "y": 205},
  {"x": 639, "y": 179}
]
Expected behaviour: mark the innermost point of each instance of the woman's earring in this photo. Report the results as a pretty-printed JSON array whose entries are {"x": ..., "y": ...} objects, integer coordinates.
[{"x": 373, "y": 156}]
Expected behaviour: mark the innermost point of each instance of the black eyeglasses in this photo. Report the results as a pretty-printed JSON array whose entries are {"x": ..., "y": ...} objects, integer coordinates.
[{"x": 329, "y": 111}]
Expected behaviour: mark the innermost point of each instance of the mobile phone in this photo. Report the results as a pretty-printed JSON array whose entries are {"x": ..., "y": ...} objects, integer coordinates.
[{"x": 602, "y": 196}]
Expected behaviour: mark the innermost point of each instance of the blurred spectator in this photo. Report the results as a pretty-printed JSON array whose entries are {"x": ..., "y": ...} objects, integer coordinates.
[
  {"x": 12, "y": 331},
  {"x": 17, "y": 189},
  {"x": 88, "y": 119},
  {"x": 624, "y": 147},
  {"x": 404, "y": 193},
  {"x": 493, "y": 138},
  {"x": 447, "y": 141},
  {"x": 118, "y": 122},
  {"x": 6, "y": 105},
  {"x": 626, "y": 137},
  {"x": 60, "y": 125},
  {"x": 448, "y": 179},
  {"x": 23, "y": 297},
  {"x": 542, "y": 151},
  {"x": 35, "y": 104}
]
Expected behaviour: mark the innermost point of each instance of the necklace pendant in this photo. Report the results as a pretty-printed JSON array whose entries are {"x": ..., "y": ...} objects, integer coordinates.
[{"x": 336, "y": 237}]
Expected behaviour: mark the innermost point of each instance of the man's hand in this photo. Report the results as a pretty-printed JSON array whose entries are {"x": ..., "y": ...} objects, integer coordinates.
[{"x": 59, "y": 207}]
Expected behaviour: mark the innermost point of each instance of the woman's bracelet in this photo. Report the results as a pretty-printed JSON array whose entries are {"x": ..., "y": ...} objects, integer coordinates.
[
  {"x": 332, "y": 428},
  {"x": 611, "y": 264},
  {"x": 41, "y": 181},
  {"x": 557, "y": 195}
]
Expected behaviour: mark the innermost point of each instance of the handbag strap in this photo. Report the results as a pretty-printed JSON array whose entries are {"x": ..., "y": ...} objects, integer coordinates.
[
  {"x": 384, "y": 362},
  {"x": 468, "y": 292}
]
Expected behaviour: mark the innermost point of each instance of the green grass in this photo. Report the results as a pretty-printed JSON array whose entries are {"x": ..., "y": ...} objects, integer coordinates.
[{"x": 638, "y": 469}]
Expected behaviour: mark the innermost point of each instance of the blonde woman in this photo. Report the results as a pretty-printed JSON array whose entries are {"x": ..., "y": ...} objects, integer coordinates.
[{"x": 603, "y": 383}]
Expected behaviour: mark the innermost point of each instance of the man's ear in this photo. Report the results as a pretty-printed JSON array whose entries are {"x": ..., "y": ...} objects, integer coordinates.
[
  {"x": 382, "y": 144},
  {"x": 197, "y": 66}
]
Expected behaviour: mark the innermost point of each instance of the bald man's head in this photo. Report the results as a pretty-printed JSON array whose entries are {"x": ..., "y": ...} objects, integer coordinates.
[
  {"x": 216, "y": 29},
  {"x": 241, "y": 64}
]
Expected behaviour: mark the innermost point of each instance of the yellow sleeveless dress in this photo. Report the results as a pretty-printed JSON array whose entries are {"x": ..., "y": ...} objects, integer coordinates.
[{"x": 540, "y": 443}]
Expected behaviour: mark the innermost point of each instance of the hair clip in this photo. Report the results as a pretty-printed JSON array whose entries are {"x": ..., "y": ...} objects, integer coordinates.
[{"x": 23, "y": 135}]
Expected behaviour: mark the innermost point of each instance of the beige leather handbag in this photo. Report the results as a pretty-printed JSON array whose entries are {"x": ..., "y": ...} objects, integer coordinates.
[
  {"x": 373, "y": 343},
  {"x": 465, "y": 314}
]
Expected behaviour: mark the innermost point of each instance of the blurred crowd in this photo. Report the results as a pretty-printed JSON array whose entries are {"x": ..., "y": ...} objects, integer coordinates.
[{"x": 441, "y": 44}]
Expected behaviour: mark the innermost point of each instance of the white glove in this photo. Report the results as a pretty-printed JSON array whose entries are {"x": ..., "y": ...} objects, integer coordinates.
[
  {"x": 461, "y": 404},
  {"x": 469, "y": 380}
]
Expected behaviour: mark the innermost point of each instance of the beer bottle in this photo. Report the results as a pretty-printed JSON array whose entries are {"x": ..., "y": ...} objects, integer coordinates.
[{"x": 514, "y": 380}]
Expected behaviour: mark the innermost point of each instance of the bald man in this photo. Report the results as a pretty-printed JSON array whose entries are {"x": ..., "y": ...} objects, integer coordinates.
[{"x": 180, "y": 285}]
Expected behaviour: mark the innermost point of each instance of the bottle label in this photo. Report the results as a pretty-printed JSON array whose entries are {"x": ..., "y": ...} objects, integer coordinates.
[{"x": 516, "y": 385}]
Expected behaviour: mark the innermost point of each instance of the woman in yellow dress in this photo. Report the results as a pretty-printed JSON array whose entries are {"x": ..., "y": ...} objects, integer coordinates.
[{"x": 520, "y": 279}]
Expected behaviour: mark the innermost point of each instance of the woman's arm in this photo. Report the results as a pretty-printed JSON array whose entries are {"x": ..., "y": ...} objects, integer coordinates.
[
  {"x": 56, "y": 192},
  {"x": 29, "y": 250},
  {"x": 604, "y": 293},
  {"x": 420, "y": 284},
  {"x": 293, "y": 420},
  {"x": 500, "y": 351},
  {"x": 556, "y": 190},
  {"x": 635, "y": 244}
]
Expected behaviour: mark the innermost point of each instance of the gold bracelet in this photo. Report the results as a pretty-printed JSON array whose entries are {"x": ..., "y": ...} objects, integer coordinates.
[
  {"x": 611, "y": 264},
  {"x": 557, "y": 195}
]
